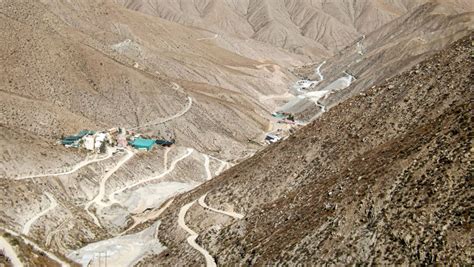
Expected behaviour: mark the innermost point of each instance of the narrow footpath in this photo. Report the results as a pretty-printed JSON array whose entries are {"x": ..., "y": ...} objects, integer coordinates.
[
  {"x": 208, "y": 38},
  {"x": 172, "y": 117},
  {"x": 202, "y": 202}
]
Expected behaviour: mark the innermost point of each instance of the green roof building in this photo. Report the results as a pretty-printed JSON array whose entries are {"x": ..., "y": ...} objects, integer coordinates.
[{"x": 140, "y": 143}]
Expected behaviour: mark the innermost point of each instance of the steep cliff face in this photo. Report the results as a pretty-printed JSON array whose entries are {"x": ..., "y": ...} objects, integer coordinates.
[{"x": 381, "y": 178}]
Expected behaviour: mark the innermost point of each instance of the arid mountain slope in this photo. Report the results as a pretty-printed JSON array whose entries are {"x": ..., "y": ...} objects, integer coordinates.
[
  {"x": 382, "y": 178},
  {"x": 392, "y": 48},
  {"x": 92, "y": 64},
  {"x": 305, "y": 27}
]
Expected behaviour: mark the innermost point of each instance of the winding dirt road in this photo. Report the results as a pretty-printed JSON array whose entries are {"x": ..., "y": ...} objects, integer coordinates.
[
  {"x": 224, "y": 165},
  {"x": 98, "y": 198},
  {"x": 206, "y": 167},
  {"x": 74, "y": 169},
  {"x": 53, "y": 204},
  {"x": 284, "y": 96},
  {"x": 172, "y": 117},
  {"x": 202, "y": 202},
  {"x": 193, "y": 235}
]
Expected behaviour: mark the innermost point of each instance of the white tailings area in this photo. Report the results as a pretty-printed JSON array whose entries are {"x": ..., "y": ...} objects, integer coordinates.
[
  {"x": 53, "y": 204},
  {"x": 339, "y": 84},
  {"x": 9, "y": 252},
  {"x": 193, "y": 235},
  {"x": 316, "y": 95},
  {"x": 202, "y": 202},
  {"x": 123, "y": 250},
  {"x": 301, "y": 100},
  {"x": 112, "y": 199}
]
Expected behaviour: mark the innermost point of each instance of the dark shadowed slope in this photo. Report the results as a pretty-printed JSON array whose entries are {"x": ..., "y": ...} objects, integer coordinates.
[{"x": 382, "y": 178}]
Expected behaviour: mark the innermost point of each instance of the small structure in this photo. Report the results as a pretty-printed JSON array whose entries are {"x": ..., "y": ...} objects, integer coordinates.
[
  {"x": 142, "y": 144},
  {"x": 287, "y": 121},
  {"x": 113, "y": 130},
  {"x": 270, "y": 138},
  {"x": 279, "y": 115},
  {"x": 165, "y": 142},
  {"x": 85, "y": 132},
  {"x": 70, "y": 140},
  {"x": 73, "y": 140}
]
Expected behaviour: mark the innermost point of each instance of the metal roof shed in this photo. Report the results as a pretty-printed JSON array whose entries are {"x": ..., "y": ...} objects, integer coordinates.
[{"x": 140, "y": 143}]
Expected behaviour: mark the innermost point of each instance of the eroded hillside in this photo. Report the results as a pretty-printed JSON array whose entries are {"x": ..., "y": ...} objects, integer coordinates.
[{"x": 381, "y": 178}]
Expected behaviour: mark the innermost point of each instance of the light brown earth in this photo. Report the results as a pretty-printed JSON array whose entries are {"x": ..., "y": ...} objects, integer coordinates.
[{"x": 214, "y": 70}]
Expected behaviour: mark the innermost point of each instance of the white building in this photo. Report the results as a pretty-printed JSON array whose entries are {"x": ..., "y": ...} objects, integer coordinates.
[{"x": 89, "y": 142}]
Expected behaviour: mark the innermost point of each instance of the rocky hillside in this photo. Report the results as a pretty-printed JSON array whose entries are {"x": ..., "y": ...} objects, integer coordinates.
[{"x": 382, "y": 178}]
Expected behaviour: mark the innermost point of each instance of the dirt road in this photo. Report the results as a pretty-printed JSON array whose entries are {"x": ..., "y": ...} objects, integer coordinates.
[
  {"x": 193, "y": 235},
  {"x": 53, "y": 204}
]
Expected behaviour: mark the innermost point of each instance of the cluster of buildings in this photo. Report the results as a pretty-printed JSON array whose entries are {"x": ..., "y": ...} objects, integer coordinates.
[{"x": 114, "y": 137}]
